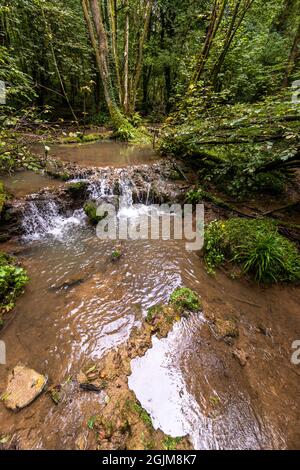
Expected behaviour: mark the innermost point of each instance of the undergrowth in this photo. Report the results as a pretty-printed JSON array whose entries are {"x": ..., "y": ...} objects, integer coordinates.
[
  {"x": 12, "y": 281},
  {"x": 254, "y": 245}
]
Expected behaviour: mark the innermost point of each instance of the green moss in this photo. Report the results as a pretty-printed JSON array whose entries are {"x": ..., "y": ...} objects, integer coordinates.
[
  {"x": 92, "y": 137},
  {"x": 77, "y": 189},
  {"x": 185, "y": 299},
  {"x": 12, "y": 281},
  {"x": 3, "y": 197},
  {"x": 140, "y": 411},
  {"x": 256, "y": 246},
  {"x": 116, "y": 254},
  {"x": 171, "y": 443},
  {"x": 90, "y": 209},
  {"x": 152, "y": 312}
]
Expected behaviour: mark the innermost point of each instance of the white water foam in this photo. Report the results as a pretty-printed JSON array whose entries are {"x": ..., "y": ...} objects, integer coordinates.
[{"x": 45, "y": 220}]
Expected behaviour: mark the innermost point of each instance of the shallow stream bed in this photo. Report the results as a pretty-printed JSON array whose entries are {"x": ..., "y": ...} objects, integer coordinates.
[{"x": 80, "y": 304}]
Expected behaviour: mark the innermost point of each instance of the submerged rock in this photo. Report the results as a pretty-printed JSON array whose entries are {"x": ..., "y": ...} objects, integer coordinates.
[
  {"x": 241, "y": 356},
  {"x": 225, "y": 328},
  {"x": 24, "y": 386}
]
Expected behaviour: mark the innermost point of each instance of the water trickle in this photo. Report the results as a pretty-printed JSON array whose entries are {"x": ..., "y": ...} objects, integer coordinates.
[{"x": 45, "y": 220}]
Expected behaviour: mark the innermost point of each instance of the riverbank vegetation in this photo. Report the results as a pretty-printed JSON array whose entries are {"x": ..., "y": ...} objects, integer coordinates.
[{"x": 12, "y": 281}]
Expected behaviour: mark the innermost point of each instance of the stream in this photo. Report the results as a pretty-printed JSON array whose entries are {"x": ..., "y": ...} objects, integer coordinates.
[{"x": 79, "y": 305}]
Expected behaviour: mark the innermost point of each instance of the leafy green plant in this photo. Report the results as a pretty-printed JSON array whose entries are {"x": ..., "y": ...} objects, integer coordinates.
[
  {"x": 256, "y": 246},
  {"x": 12, "y": 281}
]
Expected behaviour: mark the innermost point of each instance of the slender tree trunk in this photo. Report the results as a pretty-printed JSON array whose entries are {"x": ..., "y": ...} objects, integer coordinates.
[
  {"x": 62, "y": 85},
  {"x": 214, "y": 23},
  {"x": 126, "y": 59},
  {"x": 113, "y": 28},
  {"x": 139, "y": 66},
  {"x": 293, "y": 58},
  {"x": 236, "y": 21}
]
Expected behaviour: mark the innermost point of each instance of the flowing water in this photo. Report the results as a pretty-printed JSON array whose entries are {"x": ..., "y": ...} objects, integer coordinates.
[{"x": 79, "y": 304}]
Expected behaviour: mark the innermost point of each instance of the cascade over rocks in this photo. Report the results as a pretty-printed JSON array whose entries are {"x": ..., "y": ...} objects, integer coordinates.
[{"x": 143, "y": 184}]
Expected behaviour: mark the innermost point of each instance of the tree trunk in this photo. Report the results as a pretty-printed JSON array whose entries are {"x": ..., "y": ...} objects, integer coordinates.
[
  {"x": 293, "y": 58},
  {"x": 126, "y": 60},
  {"x": 236, "y": 21},
  {"x": 93, "y": 16},
  {"x": 139, "y": 65},
  {"x": 214, "y": 23},
  {"x": 113, "y": 28}
]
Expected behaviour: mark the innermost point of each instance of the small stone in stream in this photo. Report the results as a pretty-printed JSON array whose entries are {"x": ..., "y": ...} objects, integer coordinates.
[
  {"x": 240, "y": 356},
  {"x": 24, "y": 386},
  {"x": 56, "y": 394},
  {"x": 264, "y": 330},
  {"x": 226, "y": 328},
  {"x": 116, "y": 255},
  {"x": 91, "y": 381},
  {"x": 81, "y": 442}
]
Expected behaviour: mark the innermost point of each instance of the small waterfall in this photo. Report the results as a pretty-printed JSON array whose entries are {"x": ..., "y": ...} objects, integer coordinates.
[
  {"x": 44, "y": 219},
  {"x": 100, "y": 188}
]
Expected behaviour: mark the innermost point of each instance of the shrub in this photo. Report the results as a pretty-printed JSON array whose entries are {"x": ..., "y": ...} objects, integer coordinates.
[
  {"x": 256, "y": 246},
  {"x": 12, "y": 280}
]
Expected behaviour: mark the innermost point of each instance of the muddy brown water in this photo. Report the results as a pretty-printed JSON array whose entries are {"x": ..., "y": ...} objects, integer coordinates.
[
  {"x": 79, "y": 304},
  {"x": 101, "y": 154},
  {"x": 23, "y": 183}
]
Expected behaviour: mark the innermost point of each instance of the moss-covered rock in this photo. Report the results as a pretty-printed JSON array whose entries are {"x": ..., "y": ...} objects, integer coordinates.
[
  {"x": 185, "y": 299},
  {"x": 90, "y": 209},
  {"x": 78, "y": 189}
]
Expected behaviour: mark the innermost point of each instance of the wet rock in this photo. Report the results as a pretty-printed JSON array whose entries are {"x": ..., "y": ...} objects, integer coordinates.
[
  {"x": 241, "y": 356},
  {"x": 90, "y": 209},
  {"x": 24, "y": 386},
  {"x": 72, "y": 282},
  {"x": 81, "y": 442},
  {"x": 264, "y": 330},
  {"x": 78, "y": 190},
  {"x": 226, "y": 328},
  {"x": 90, "y": 380}
]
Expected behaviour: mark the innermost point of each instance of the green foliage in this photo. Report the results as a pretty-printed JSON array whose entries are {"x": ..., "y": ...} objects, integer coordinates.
[
  {"x": 256, "y": 246},
  {"x": 3, "y": 197},
  {"x": 228, "y": 145},
  {"x": 12, "y": 281},
  {"x": 185, "y": 299},
  {"x": 116, "y": 254}
]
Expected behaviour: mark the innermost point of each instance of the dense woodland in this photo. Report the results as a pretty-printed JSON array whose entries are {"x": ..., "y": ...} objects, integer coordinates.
[{"x": 218, "y": 78}]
